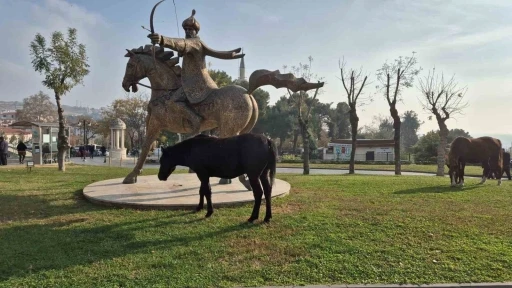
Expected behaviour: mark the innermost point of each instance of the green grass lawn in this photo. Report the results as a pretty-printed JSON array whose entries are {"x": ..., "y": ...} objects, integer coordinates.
[
  {"x": 329, "y": 230},
  {"x": 469, "y": 170}
]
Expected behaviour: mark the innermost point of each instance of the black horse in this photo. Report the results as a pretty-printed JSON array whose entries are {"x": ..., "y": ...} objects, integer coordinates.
[{"x": 250, "y": 154}]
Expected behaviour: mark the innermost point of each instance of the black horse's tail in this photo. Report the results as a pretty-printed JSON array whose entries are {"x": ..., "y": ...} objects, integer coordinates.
[{"x": 272, "y": 161}]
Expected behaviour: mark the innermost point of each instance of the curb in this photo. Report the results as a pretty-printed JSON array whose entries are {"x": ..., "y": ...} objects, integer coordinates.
[{"x": 371, "y": 170}]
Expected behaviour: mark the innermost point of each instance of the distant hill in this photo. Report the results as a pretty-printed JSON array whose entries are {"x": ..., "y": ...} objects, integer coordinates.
[
  {"x": 68, "y": 110},
  {"x": 10, "y": 105}
]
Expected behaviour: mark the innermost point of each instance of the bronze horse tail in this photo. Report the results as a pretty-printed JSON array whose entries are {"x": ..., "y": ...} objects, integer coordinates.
[{"x": 264, "y": 77}]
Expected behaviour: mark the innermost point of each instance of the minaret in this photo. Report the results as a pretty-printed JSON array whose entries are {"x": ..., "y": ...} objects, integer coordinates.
[{"x": 241, "y": 73}]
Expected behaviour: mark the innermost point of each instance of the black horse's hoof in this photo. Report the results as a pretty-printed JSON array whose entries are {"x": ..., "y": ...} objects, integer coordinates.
[
  {"x": 199, "y": 208},
  {"x": 251, "y": 220},
  {"x": 208, "y": 214},
  {"x": 267, "y": 220}
]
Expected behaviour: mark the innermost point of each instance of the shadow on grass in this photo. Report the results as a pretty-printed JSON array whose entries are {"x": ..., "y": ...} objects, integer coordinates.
[
  {"x": 28, "y": 207},
  {"x": 437, "y": 189},
  {"x": 28, "y": 249}
]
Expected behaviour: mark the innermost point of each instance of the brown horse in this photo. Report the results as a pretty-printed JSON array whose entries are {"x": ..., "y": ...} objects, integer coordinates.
[{"x": 485, "y": 150}]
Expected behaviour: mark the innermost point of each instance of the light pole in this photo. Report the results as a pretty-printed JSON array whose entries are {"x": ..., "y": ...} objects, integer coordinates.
[{"x": 85, "y": 138}]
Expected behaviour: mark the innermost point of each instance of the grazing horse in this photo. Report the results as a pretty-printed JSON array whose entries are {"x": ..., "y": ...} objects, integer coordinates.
[
  {"x": 250, "y": 154},
  {"x": 485, "y": 150},
  {"x": 506, "y": 167},
  {"x": 459, "y": 173}
]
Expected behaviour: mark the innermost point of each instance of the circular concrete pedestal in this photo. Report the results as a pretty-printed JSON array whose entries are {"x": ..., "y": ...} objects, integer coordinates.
[{"x": 179, "y": 191}]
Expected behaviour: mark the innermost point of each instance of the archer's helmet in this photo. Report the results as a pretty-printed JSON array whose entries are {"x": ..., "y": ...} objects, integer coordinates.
[{"x": 191, "y": 22}]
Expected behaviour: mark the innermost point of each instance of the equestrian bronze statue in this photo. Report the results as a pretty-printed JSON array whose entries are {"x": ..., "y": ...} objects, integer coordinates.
[{"x": 186, "y": 99}]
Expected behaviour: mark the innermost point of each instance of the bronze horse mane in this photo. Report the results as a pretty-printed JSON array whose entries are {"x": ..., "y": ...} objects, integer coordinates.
[
  {"x": 160, "y": 55},
  {"x": 485, "y": 150}
]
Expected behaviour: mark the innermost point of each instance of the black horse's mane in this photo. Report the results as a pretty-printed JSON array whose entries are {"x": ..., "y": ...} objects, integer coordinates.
[{"x": 185, "y": 144}]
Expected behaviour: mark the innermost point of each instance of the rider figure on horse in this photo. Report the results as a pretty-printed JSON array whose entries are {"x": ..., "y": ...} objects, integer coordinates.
[{"x": 196, "y": 81}]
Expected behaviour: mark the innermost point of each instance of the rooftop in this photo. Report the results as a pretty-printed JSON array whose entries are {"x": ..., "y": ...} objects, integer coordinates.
[{"x": 365, "y": 142}]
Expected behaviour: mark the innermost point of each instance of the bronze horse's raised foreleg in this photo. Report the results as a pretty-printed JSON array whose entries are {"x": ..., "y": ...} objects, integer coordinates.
[{"x": 152, "y": 132}]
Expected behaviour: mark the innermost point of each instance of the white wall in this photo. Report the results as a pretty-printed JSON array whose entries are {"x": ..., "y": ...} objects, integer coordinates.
[{"x": 383, "y": 153}]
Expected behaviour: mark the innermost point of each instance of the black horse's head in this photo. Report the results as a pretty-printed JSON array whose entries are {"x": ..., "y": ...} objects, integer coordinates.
[{"x": 167, "y": 164}]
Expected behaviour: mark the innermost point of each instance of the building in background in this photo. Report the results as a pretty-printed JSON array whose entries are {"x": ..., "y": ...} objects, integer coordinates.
[
  {"x": 7, "y": 118},
  {"x": 366, "y": 150}
]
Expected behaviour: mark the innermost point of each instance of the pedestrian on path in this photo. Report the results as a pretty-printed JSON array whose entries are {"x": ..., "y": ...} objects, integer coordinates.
[
  {"x": 22, "y": 151},
  {"x": 4, "y": 150}
]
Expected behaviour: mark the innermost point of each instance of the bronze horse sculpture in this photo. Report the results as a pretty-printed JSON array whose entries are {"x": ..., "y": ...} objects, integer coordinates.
[
  {"x": 231, "y": 109},
  {"x": 485, "y": 150}
]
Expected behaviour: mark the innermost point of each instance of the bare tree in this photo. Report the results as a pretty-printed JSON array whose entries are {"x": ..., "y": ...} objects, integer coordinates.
[
  {"x": 443, "y": 99},
  {"x": 38, "y": 108},
  {"x": 393, "y": 78},
  {"x": 353, "y": 82},
  {"x": 304, "y": 105},
  {"x": 133, "y": 111}
]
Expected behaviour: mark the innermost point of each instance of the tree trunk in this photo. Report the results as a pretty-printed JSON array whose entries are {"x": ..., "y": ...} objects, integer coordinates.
[
  {"x": 280, "y": 148},
  {"x": 295, "y": 138},
  {"x": 62, "y": 143},
  {"x": 441, "y": 149},
  {"x": 354, "y": 121},
  {"x": 305, "y": 144},
  {"x": 396, "y": 125}
]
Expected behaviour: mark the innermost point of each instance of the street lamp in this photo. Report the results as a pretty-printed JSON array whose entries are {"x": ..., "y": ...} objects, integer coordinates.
[
  {"x": 85, "y": 138},
  {"x": 85, "y": 133}
]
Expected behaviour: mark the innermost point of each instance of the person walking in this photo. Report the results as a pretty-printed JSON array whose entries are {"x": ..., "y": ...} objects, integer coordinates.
[
  {"x": 91, "y": 151},
  {"x": 4, "y": 150},
  {"x": 22, "y": 151},
  {"x": 81, "y": 151}
]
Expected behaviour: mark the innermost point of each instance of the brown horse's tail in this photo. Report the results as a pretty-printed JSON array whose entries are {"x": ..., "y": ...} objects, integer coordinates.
[
  {"x": 254, "y": 116},
  {"x": 500, "y": 157}
]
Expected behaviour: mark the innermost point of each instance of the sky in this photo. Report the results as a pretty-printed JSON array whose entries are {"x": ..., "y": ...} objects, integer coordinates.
[{"x": 469, "y": 39}]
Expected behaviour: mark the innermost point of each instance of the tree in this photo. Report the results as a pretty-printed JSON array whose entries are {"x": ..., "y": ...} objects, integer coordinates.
[
  {"x": 393, "y": 79},
  {"x": 409, "y": 129},
  {"x": 385, "y": 130},
  {"x": 133, "y": 111},
  {"x": 454, "y": 133},
  {"x": 64, "y": 65},
  {"x": 426, "y": 148},
  {"x": 443, "y": 99},
  {"x": 262, "y": 98},
  {"x": 339, "y": 121},
  {"x": 354, "y": 83},
  {"x": 304, "y": 104},
  {"x": 90, "y": 130},
  {"x": 37, "y": 108},
  {"x": 220, "y": 77},
  {"x": 281, "y": 121},
  {"x": 13, "y": 139}
]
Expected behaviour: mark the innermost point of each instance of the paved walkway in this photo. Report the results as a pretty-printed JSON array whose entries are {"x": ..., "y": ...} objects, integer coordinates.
[{"x": 130, "y": 163}]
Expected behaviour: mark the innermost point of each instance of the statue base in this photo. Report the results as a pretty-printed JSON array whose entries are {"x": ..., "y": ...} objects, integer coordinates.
[
  {"x": 224, "y": 181},
  {"x": 119, "y": 154}
]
